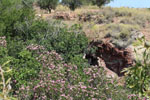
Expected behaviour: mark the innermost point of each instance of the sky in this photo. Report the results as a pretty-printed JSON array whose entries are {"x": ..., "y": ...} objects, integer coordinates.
[{"x": 130, "y": 3}]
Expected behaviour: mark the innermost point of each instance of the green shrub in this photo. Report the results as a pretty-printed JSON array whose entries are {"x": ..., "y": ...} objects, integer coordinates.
[
  {"x": 138, "y": 76},
  {"x": 14, "y": 12},
  {"x": 58, "y": 80},
  {"x": 31, "y": 29},
  {"x": 100, "y": 3},
  {"x": 48, "y": 4},
  {"x": 14, "y": 47},
  {"x": 68, "y": 42},
  {"x": 31, "y": 32},
  {"x": 25, "y": 68},
  {"x": 72, "y": 4}
]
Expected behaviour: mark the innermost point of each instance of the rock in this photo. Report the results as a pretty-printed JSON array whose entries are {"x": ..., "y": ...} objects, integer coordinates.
[
  {"x": 115, "y": 59},
  {"x": 109, "y": 73}
]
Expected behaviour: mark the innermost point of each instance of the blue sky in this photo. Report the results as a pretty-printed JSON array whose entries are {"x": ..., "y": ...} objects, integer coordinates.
[{"x": 130, "y": 3}]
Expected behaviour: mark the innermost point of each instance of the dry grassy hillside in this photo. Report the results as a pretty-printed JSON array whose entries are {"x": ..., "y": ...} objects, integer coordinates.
[{"x": 98, "y": 23}]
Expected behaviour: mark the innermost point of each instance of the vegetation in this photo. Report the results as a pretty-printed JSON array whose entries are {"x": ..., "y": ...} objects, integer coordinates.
[
  {"x": 13, "y": 14},
  {"x": 138, "y": 75},
  {"x": 43, "y": 59},
  {"x": 48, "y": 4},
  {"x": 5, "y": 84},
  {"x": 73, "y": 4},
  {"x": 100, "y": 3}
]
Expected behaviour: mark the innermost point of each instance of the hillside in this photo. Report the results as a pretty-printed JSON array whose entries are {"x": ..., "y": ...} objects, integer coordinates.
[
  {"x": 86, "y": 53},
  {"x": 118, "y": 26},
  {"x": 97, "y": 23}
]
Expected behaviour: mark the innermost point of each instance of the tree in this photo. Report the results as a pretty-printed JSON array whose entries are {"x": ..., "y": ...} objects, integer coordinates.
[
  {"x": 72, "y": 4},
  {"x": 12, "y": 13},
  {"x": 100, "y": 3},
  {"x": 48, "y": 4}
]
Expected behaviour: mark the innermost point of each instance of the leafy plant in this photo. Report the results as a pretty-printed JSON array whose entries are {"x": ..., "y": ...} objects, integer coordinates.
[
  {"x": 58, "y": 80},
  {"x": 138, "y": 76},
  {"x": 69, "y": 42},
  {"x": 72, "y": 4},
  {"x": 14, "y": 12},
  {"x": 25, "y": 68},
  {"x": 5, "y": 86},
  {"x": 99, "y": 3},
  {"x": 48, "y": 4}
]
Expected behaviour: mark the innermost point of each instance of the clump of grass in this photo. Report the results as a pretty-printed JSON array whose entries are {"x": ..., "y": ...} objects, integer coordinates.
[
  {"x": 61, "y": 8},
  {"x": 120, "y": 34},
  {"x": 86, "y": 9}
]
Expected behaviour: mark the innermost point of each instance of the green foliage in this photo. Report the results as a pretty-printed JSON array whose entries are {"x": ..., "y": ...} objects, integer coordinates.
[
  {"x": 14, "y": 47},
  {"x": 25, "y": 68},
  {"x": 48, "y": 4},
  {"x": 100, "y": 3},
  {"x": 31, "y": 29},
  {"x": 4, "y": 57},
  {"x": 69, "y": 42},
  {"x": 72, "y": 4},
  {"x": 58, "y": 80},
  {"x": 78, "y": 61},
  {"x": 121, "y": 34},
  {"x": 14, "y": 12},
  {"x": 5, "y": 86},
  {"x": 138, "y": 76}
]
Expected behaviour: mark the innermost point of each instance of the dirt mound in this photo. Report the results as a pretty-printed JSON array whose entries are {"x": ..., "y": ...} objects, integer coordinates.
[
  {"x": 64, "y": 16},
  {"x": 114, "y": 58}
]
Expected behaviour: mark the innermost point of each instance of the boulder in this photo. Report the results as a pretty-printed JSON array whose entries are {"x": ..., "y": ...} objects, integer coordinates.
[
  {"x": 115, "y": 59},
  {"x": 109, "y": 73}
]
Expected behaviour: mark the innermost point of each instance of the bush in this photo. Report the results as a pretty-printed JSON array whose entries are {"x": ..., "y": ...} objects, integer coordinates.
[
  {"x": 121, "y": 34},
  {"x": 13, "y": 12},
  {"x": 69, "y": 42},
  {"x": 138, "y": 76},
  {"x": 72, "y": 4},
  {"x": 58, "y": 80},
  {"x": 100, "y": 3},
  {"x": 48, "y": 4},
  {"x": 25, "y": 68},
  {"x": 31, "y": 29}
]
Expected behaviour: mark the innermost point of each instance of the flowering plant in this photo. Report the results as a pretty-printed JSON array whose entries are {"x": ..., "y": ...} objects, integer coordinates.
[{"x": 58, "y": 80}]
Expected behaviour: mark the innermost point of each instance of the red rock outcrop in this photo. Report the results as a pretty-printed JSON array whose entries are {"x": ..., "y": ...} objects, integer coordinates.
[{"x": 114, "y": 58}]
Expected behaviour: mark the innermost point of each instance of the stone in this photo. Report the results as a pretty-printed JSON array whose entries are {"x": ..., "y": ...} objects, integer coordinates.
[{"x": 115, "y": 59}]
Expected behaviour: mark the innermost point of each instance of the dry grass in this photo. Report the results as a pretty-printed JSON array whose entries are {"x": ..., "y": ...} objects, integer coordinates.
[{"x": 109, "y": 20}]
